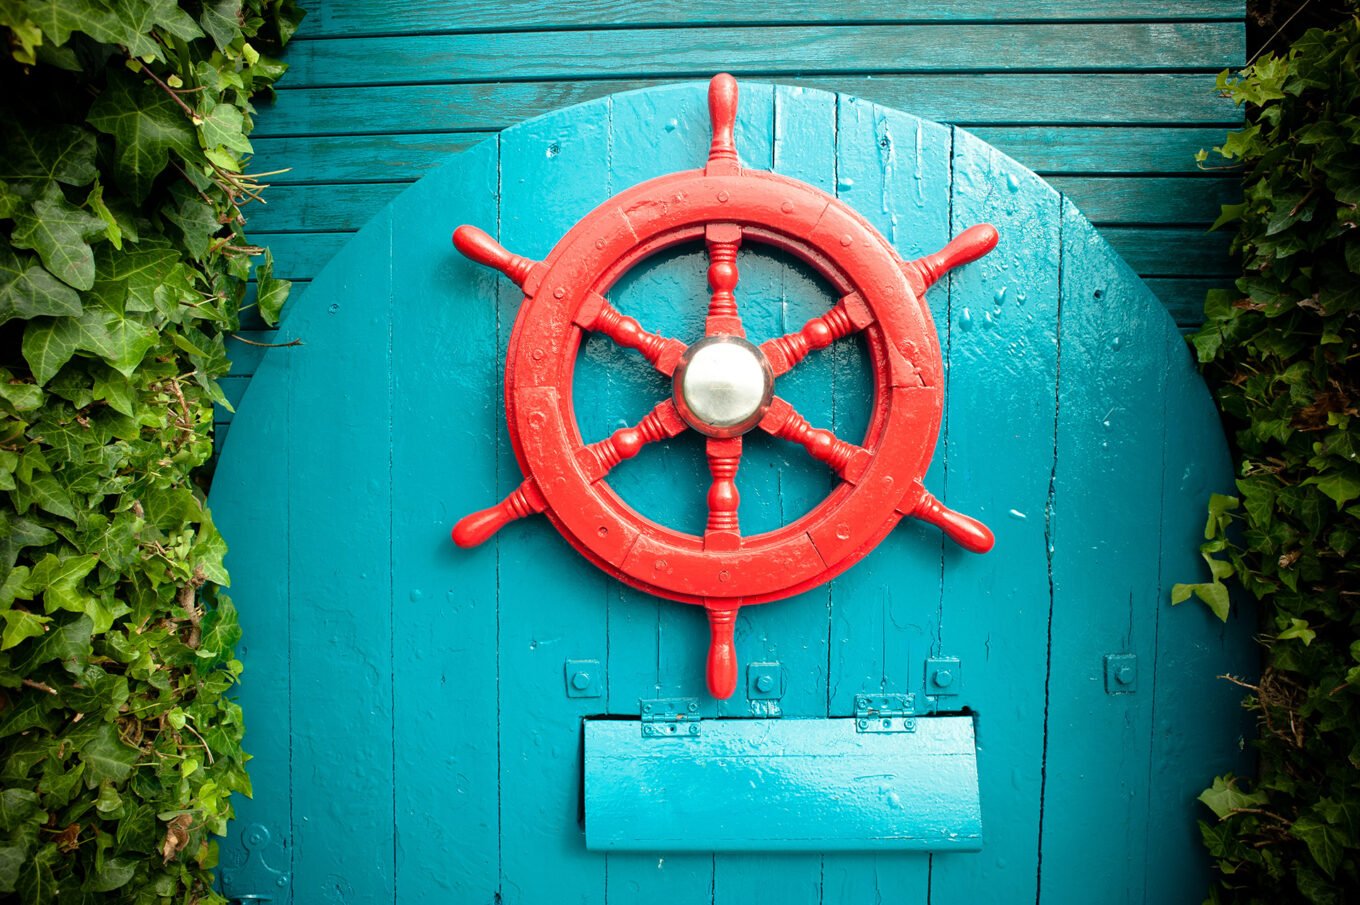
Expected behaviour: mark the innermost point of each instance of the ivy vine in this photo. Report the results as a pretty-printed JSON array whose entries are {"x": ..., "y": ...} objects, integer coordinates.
[
  {"x": 1281, "y": 352},
  {"x": 123, "y": 175}
]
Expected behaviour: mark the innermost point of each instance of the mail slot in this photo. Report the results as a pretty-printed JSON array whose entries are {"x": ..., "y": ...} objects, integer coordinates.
[{"x": 782, "y": 785}]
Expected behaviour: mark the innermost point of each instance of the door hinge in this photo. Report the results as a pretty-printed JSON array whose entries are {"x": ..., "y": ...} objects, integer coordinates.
[
  {"x": 246, "y": 876},
  {"x": 885, "y": 713},
  {"x": 670, "y": 717}
]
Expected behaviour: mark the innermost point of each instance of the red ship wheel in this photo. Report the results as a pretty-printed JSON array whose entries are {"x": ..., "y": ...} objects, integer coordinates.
[{"x": 724, "y": 386}]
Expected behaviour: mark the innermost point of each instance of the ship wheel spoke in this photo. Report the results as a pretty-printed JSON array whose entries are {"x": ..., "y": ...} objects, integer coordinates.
[
  {"x": 722, "y": 531},
  {"x": 599, "y": 316},
  {"x": 850, "y": 315},
  {"x": 848, "y": 460},
  {"x": 600, "y": 457},
  {"x": 723, "y": 240}
]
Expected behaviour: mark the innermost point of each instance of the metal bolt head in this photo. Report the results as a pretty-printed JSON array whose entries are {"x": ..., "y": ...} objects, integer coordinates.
[
  {"x": 281, "y": 882},
  {"x": 1124, "y": 675},
  {"x": 646, "y": 708},
  {"x": 693, "y": 706},
  {"x": 861, "y": 701},
  {"x": 864, "y": 724},
  {"x": 765, "y": 684},
  {"x": 694, "y": 729},
  {"x": 580, "y": 681},
  {"x": 943, "y": 678},
  {"x": 647, "y": 730}
]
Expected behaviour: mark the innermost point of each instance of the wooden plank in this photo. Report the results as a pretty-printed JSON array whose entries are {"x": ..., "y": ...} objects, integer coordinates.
[
  {"x": 1002, "y": 366},
  {"x": 553, "y": 603},
  {"x": 360, "y": 158},
  {"x": 339, "y": 562},
  {"x": 968, "y": 99},
  {"x": 1105, "y": 200},
  {"x": 1100, "y": 150},
  {"x": 1111, "y": 436},
  {"x": 334, "y": 17},
  {"x": 894, "y": 170},
  {"x": 765, "y": 51},
  {"x": 249, "y": 508},
  {"x": 1194, "y": 650},
  {"x": 818, "y": 785},
  {"x": 1048, "y": 150},
  {"x": 1150, "y": 200},
  {"x": 444, "y": 652},
  {"x": 233, "y": 387},
  {"x": 1183, "y": 298}
]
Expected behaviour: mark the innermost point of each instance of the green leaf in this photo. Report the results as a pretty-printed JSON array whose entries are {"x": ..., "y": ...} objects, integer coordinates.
[
  {"x": 1326, "y": 843},
  {"x": 36, "y": 884},
  {"x": 16, "y": 534},
  {"x": 1223, "y": 798},
  {"x": 12, "y": 858},
  {"x": 17, "y": 807},
  {"x": 271, "y": 293},
  {"x": 115, "y": 874},
  {"x": 146, "y": 126},
  {"x": 106, "y": 756},
  {"x": 60, "y": 233},
  {"x": 221, "y": 20},
  {"x": 224, "y": 126},
  {"x": 45, "y": 153},
  {"x": 112, "y": 230},
  {"x": 27, "y": 290},
  {"x": 47, "y": 345},
  {"x": 67, "y": 642},
  {"x": 1340, "y": 486},
  {"x": 20, "y": 625},
  {"x": 59, "y": 18},
  {"x": 1298, "y": 629}
]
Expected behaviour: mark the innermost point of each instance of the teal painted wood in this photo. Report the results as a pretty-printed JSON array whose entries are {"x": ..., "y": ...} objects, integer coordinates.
[
  {"x": 783, "y": 785},
  {"x": 433, "y": 728},
  {"x": 329, "y": 17},
  {"x": 767, "y": 51}
]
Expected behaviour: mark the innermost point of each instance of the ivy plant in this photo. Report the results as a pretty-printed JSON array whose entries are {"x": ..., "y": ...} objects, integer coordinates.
[
  {"x": 124, "y": 173},
  {"x": 1281, "y": 352}
]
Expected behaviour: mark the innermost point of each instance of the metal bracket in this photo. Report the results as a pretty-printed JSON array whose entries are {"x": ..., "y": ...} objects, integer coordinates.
[
  {"x": 885, "y": 713},
  {"x": 670, "y": 717},
  {"x": 251, "y": 879},
  {"x": 584, "y": 678},
  {"x": 1121, "y": 673},
  {"x": 944, "y": 677}
]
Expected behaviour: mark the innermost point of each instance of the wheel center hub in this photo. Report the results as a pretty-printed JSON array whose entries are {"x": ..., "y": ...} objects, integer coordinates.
[{"x": 723, "y": 386}]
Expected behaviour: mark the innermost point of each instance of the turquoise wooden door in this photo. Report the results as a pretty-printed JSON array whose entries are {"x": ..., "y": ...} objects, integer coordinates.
[{"x": 416, "y": 730}]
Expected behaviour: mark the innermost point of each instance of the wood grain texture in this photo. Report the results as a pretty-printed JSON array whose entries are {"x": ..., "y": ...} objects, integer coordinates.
[
  {"x": 764, "y": 51},
  {"x": 338, "y": 17}
]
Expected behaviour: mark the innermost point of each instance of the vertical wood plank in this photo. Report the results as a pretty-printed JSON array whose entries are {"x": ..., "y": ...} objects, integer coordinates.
[
  {"x": 1002, "y": 366},
  {"x": 894, "y": 169},
  {"x": 339, "y": 492},
  {"x": 1199, "y": 723},
  {"x": 1106, "y": 551},
  {"x": 249, "y": 507},
  {"x": 552, "y": 603},
  {"x": 445, "y": 423}
]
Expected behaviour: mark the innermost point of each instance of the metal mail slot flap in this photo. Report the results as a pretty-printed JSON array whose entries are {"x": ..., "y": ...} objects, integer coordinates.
[{"x": 782, "y": 785}]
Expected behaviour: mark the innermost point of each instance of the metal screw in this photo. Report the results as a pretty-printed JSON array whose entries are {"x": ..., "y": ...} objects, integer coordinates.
[
  {"x": 943, "y": 678},
  {"x": 887, "y": 724},
  {"x": 647, "y": 730},
  {"x": 646, "y": 708},
  {"x": 864, "y": 724},
  {"x": 694, "y": 729},
  {"x": 1124, "y": 675},
  {"x": 861, "y": 702},
  {"x": 580, "y": 681},
  {"x": 693, "y": 706},
  {"x": 765, "y": 684},
  {"x": 281, "y": 882}
]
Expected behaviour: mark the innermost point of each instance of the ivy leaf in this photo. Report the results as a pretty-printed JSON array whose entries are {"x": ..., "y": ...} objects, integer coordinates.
[
  {"x": 106, "y": 756},
  {"x": 20, "y": 625},
  {"x": 60, "y": 233},
  {"x": 67, "y": 642},
  {"x": 221, "y": 20},
  {"x": 139, "y": 17},
  {"x": 58, "y": 18},
  {"x": 47, "y": 346},
  {"x": 1341, "y": 486},
  {"x": 1213, "y": 593},
  {"x": 1224, "y": 797},
  {"x": 1325, "y": 842},
  {"x": 224, "y": 127},
  {"x": 63, "y": 153},
  {"x": 27, "y": 290},
  {"x": 16, "y": 533},
  {"x": 12, "y": 858},
  {"x": 36, "y": 882},
  {"x": 146, "y": 126},
  {"x": 115, "y": 874},
  {"x": 270, "y": 292},
  {"x": 17, "y": 807}
]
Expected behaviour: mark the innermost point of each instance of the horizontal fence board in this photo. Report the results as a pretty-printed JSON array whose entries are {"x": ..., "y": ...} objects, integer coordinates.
[
  {"x": 1184, "y": 297},
  {"x": 1048, "y": 150},
  {"x": 1087, "y": 150},
  {"x": 1116, "y": 200},
  {"x": 346, "y": 17},
  {"x": 967, "y": 99},
  {"x": 767, "y": 51},
  {"x": 1106, "y": 200}
]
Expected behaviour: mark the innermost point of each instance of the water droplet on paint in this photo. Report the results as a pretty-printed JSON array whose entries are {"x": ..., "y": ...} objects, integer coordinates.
[
  {"x": 966, "y": 319},
  {"x": 554, "y": 149},
  {"x": 1012, "y": 183},
  {"x": 1117, "y": 343},
  {"x": 1020, "y": 298},
  {"x": 416, "y": 594},
  {"x": 1000, "y": 295},
  {"x": 672, "y": 124},
  {"x": 845, "y": 183},
  {"x": 1018, "y": 515}
]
